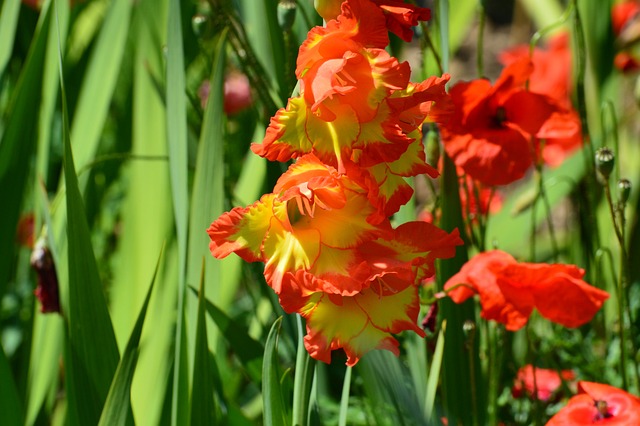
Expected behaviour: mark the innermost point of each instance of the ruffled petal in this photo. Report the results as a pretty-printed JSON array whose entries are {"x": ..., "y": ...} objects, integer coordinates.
[
  {"x": 358, "y": 324},
  {"x": 286, "y": 137},
  {"x": 242, "y": 230}
]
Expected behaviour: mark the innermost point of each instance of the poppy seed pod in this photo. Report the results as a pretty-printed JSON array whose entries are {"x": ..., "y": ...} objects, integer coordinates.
[
  {"x": 624, "y": 190},
  {"x": 286, "y": 14},
  {"x": 605, "y": 161}
]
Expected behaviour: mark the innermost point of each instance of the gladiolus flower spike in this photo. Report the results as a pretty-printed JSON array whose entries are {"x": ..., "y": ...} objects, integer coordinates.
[{"x": 324, "y": 234}]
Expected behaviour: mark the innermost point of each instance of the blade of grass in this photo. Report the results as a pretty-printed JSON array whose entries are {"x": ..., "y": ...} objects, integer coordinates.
[
  {"x": 434, "y": 375},
  {"x": 48, "y": 334},
  {"x": 202, "y": 402},
  {"x": 147, "y": 220},
  {"x": 18, "y": 142},
  {"x": 207, "y": 199},
  {"x": 117, "y": 408},
  {"x": 177, "y": 142},
  {"x": 93, "y": 350},
  {"x": 273, "y": 402},
  {"x": 344, "y": 400},
  {"x": 303, "y": 379},
  {"x": 50, "y": 89},
  {"x": 8, "y": 24},
  {"x": 459, "y": 406},
  {"x": 10, "y": 404},
  {"x": 388, "y": 386},
  {"x": 99, "y": 83}
]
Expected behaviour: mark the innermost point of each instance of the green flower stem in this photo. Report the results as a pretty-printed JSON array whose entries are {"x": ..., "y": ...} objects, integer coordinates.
[
  {"x": 303, "y": 380},
  {"x": 588, "y": 151},
  {"x": 542, "y": 193},
  {"x": 480, "y": 47},
  {"x": 621, "y": 287},
  {"x": 537, "y": 414},
  {"x": 607, "y": 108}
]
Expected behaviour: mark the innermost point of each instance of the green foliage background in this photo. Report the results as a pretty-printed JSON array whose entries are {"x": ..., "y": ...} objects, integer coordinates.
[{"x": 104, "y": 139}]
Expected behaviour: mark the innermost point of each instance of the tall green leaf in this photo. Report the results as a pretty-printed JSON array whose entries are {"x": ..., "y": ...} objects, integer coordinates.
[
  {"x": 117, "y": 408},
  {"x": 18, "y": 142},
  {"x": 177, "y": 142},
  {"x": 460, "y": 406},
  {"x": 99, "y": 82},
  {"x": 389, "y": 389},
  {"x": 274, "y": 407},
  {"x": 434, "y": 375},
  {"x": 10, "y": 404},
  {"x": 92, "y": 351},
  {"x": 8, "y": 24},
  {"x": 207, "y": 197},
  {"x": 202, "y": 406},
  {"x": 146, "y": 219}
]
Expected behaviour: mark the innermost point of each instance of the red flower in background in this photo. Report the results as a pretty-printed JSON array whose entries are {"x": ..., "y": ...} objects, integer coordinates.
[
  {"x": 545, "y": 381},
  {"x": 551, "y": 74},
  {"x": 509, "y": 291},
  {"x": 551, "y": 77},
  {"x": 626, "y": 27},
  {"x": 490, "y": 133},
  {"x": 598, "y": 403}
]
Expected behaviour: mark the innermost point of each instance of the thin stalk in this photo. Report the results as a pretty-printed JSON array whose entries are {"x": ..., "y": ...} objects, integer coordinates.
[
  {"x": 254, "y": 70},
  {"x": 547, "y": 206},
  {"x": 607, "y": 107},
  {"x": 303, "y": 380},
  {"x": 531, "y": 356},
  {"x": 428, "y": 42},
  {"x": 432, "y": 47},
  {"x": 588, "y": 152},
  {"x": 480, "y": 46},
  {"x": 472, "y": 368},
  {"x": 622, "y": 286}
]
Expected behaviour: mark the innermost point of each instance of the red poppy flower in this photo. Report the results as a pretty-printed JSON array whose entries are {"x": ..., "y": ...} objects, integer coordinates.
[
  {"x": 509, "y": 291},
  {"x": 622, "y": 13},
  {"x": 490, "y": 133},
  {"x": 551, "y": 74},
  {"x": 625, "y": 19},
  {"x": 551, "y": 77},
  {"x": 598, "y": 403},
  {"x": 546, "y": 381}
]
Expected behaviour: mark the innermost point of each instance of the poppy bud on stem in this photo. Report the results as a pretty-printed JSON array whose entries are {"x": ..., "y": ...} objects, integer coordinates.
[
  {"x": 605, "y": 161},
  {"x": 624, "y": 190}
]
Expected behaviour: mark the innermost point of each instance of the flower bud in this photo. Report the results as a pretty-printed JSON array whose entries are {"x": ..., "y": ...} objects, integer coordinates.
[
  {"x": 469, "y": 329},
  {"x": 200, "y": 24},
  {"x": 47, "y": 291},
  {"x": 328, "y": 9},
  {"x": 430, "y": 320},
  {"x": 624, "y": 190},
  {"x": 286, "y": 14},
  {"x": 604, "y": 162}
]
